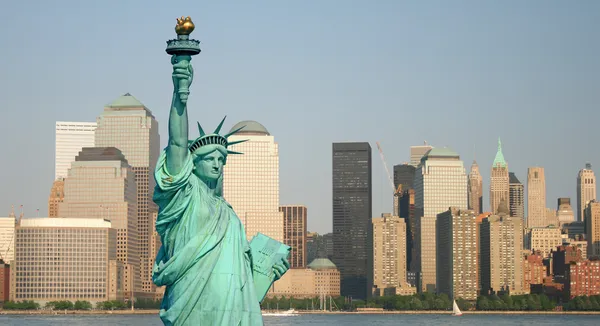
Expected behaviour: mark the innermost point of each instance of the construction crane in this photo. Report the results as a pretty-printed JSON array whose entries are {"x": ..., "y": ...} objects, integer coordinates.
[{"x": 396, "y": 191}]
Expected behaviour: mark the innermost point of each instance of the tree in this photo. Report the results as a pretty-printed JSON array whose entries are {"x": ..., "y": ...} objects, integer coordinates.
[
  {"x": 483, "y": 303},
  {"x": 82, "y": 305}
]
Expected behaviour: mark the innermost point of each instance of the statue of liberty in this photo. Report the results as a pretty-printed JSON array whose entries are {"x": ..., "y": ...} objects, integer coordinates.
[{"x": 205, "y": 261}]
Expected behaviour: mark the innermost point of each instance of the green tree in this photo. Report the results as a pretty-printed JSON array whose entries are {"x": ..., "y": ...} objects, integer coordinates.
[
  {"x": 464, "y": 304},
  {"x": 508, "y": 302},
  {"x": 483, "y": 303},
  {"x": 82, "y": 305}
]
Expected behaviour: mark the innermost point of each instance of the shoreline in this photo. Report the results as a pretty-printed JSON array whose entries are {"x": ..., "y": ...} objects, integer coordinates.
[
  {"x": 449, "y": 312},
  {"x": 302, "y": 312}
]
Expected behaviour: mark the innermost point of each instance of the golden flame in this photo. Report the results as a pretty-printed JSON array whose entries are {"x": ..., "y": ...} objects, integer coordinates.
[{"x": 184, "y": 26}]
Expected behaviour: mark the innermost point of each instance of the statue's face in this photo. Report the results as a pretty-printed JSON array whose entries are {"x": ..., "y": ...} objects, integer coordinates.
[{"x": 209, "y": 166}]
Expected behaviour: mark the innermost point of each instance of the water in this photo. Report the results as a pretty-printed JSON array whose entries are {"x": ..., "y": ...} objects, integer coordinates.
[{"x": 346, "y": 320}]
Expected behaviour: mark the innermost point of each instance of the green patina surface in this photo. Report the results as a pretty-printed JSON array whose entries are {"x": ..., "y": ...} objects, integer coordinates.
[
  {"x": 126, "y": 101},
  {"x": 499, "y": 159},
  {"x": 209, "y": 270}
]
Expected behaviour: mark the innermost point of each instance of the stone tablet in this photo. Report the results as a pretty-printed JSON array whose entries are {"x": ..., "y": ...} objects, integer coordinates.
[{"x": 266, "y": 252}]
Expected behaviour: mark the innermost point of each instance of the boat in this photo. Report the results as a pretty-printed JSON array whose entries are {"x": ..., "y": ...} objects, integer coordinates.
[
  {"x": 455, "y": 310},
  {"x": 287, "y": 313}
]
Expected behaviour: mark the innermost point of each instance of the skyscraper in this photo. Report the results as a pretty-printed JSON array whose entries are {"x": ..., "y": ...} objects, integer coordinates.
[
  {"x": 407, "y": 212},
  {"x": 499, "y": 180},
  {"x": 564, "y": 211},
  {"x": 404, "y": 174},
  {"x": 441, "y": 182},
  {"x": 417, "y": 152},
  {"x": 586, "y": 189},
  {"x": 71, "y": 137},
  {"x": 57, "y": 195},
  {"x": 456, "y": 261},
  {"x": 101, "y": 185},
  {"x": 536, "y": 198},
  {"x": 475, "y": 189},
  {"x": 352, "y": 209},
  {"x": 517, "y": 197},
  {"x": 129, "y": 125},
  {"x": 592, "y": 228},
  {"x": 389, "y": 252},
  {"x": 251, "y": 180},
  {"x": 294, "y": 233},
  {"x": 501, "y": 253}
]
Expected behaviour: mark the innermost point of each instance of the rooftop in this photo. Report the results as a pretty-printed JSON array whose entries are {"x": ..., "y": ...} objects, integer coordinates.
[
  {"x": 126, "y": 101},
  {"x": 251, "y": 128},
  {"x": 513, "y": 178},
  {"x": 322, "y": 263},
  {"x": 100, "y": 154},
  {"x": 499, "y": 159},
  {"x": 57, "y": 222},
  {"x": 440, "y": 152}
]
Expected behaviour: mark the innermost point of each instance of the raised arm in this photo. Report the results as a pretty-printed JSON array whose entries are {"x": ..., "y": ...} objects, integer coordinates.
[{"x": 177, "y": 149}]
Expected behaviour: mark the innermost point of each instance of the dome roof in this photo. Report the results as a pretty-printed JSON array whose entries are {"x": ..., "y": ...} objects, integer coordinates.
[
  {"x": 440, "y": 152},
  {"x": 322, "y": 263},
  {"x": 251, "y": 128}
]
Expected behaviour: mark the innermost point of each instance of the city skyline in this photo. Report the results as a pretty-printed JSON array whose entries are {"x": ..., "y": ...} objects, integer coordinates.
[{"x": 310, "y": 81}]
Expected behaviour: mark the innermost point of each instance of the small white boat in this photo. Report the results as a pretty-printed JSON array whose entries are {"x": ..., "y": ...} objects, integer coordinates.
[
  {"x": 287, "y": 313},
  {"x": 455, "y": 310}
]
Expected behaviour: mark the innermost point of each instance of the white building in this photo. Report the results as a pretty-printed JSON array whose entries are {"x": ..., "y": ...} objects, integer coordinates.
[
  {"x": 251, "y": 180},
  {"x": 7, "y": 239},
  {"x": 71, "y": 137},
  {"x": 545, "y": 239},
  {"x": 440, "y": 183},
  {"x": 417, "y": 152},
  {"x": 586, "y": 190},
  {"x": 66, "y": 259}
]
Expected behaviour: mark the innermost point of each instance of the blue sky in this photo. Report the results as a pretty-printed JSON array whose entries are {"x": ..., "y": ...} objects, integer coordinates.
[{"x": 454, "y": 73}]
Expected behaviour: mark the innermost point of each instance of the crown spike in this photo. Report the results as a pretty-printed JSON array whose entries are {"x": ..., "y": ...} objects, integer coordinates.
[
  {"x": 220, "y": 125},
  {"x": 202, "y": 133},
  {"x": 235, "y": 131},
  {"x": 237, "y": 142},
  {"x": 233, "y": 152}
]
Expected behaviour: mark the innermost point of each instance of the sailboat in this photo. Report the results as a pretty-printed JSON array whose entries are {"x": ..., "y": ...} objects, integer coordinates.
[
  {"x": 455, "y": 310},
  {"x": 287, "y": 313}
]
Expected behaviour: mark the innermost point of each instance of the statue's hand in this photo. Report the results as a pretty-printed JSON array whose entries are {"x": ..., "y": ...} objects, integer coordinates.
[
  {"x": 182, "y": 71},
  {"x": 280, "y": 268}
]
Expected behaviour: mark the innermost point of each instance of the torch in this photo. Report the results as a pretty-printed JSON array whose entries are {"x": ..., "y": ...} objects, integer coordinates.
[{"x": 182, "y": 49}]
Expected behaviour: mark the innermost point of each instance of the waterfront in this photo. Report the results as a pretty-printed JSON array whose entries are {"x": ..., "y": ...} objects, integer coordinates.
[{"x": 323, "y": 319}]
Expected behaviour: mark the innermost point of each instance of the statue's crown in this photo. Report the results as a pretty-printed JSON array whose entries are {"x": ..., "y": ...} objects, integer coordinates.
[{"x": 214, "y": 138}]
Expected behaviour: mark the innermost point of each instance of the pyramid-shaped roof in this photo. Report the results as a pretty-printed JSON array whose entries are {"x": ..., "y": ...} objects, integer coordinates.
[
  {"x": 322, "y": 263},
  {"x": 499, "y": 159},
  {"x": 126, "y": 101},
  {"x": 512, "y": 178}
]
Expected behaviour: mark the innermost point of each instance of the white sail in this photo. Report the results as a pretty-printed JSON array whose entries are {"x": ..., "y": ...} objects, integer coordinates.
[{"x": 455, "y": 310}]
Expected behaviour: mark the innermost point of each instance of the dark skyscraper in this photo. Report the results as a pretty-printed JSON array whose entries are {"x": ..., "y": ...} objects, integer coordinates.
[
  {"x": 407, "y": 212},
  {"x": 404, "y": 175},
  {"x": 352, "y": 210},
  {"x": 516, "y": 196}
]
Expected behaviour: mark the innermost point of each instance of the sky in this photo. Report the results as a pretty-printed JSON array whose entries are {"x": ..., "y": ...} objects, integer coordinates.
[{"x": 455, "y": 73}]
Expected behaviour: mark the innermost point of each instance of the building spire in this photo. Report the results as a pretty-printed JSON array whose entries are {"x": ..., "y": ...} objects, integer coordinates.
[{"x": 499, "y": 159}]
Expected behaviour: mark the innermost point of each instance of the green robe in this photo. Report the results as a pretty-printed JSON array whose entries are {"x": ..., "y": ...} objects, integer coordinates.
[{"x": 204, "y": 260}]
